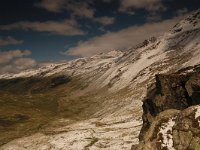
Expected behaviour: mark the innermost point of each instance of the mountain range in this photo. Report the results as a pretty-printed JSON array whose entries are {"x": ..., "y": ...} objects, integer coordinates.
[{"x": 92, "y": 102}]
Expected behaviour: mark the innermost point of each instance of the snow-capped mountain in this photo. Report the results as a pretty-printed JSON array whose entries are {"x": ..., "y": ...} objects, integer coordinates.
[
  {"x": 112, "y": 85},
  {"x": 181, "y": 39}
]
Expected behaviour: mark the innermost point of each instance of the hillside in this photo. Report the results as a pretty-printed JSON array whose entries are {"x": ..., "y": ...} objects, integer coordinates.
[{"x": 96, "y": 101}]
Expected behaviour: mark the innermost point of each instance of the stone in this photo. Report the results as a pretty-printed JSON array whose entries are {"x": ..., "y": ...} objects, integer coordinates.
[
  {"x": 171, "y": 91},
  {"x": 169, "y": 112},
  {"x": 195, "y": 143},
  {"x": 185, "y": 139}
]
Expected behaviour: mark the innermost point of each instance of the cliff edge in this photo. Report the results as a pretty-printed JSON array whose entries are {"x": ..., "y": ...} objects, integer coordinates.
[{"x": 171, "y": 112}]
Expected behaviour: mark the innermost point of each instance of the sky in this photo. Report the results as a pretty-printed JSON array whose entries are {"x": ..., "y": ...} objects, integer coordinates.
[{"x": 35, "y": 32}]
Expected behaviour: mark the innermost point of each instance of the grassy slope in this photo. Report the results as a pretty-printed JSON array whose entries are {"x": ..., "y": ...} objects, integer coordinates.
[{"x": 27, "y": 105}]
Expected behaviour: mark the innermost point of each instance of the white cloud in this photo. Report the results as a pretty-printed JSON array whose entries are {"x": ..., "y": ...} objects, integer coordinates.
[
  {"x": 83, "y": 10},
  {"x": 66, "y": 27},
  {"x": 14, "y": 61},
  {"x": 150, "y": 5},
  {"x": 24, "y": 63},
  {"x": 80, "y": 9},
  {"x": 105, "y": 20},
  {"x": 18, "y": 65},
  {"x": 6, "y": 56},
  {"x": 52, "y": 5},
  {"x": 152, "y": 17},
  {"x": 10, "y": 41},
  {"x": 182, "y": 12},
  {"x": 122, "y": 39},
  {"x": 76, "y": 8}
]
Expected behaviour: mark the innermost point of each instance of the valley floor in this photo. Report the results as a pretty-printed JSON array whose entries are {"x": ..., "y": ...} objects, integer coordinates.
[{"x": 111, "y": 133}]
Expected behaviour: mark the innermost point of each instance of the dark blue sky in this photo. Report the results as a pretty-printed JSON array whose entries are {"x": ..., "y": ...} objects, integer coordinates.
[{"x": 49, "y": 28}]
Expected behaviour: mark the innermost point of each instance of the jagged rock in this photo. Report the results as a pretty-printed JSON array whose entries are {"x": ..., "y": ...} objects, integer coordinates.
[
  {"x": 171, "y": 112},
  {"x": 171, "y": 91},
  {"x": 173, "y": 130}
]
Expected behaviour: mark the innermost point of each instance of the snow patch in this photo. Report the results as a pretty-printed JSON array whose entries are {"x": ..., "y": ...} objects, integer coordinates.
[
  {"x": 197, "y": 114},
  {"x": 166, "y": 131},
  {"x": 115, "y": 134}
]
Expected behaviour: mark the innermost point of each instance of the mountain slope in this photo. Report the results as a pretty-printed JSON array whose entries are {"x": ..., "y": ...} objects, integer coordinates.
[{"x": 96, "y": 100}]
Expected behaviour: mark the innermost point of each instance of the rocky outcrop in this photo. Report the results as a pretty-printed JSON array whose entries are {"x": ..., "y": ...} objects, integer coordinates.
[
  {"x": 173, "y": 130},
  {"x": 162, "y": 107}
]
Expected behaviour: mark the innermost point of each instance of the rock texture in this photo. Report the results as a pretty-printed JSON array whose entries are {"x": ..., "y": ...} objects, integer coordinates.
[
  {"x": 173, "y": 130},
  {"x": 168, "y": 123}
]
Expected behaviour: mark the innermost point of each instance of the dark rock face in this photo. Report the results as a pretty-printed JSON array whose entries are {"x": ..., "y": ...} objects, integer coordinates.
[
  {"x": 171, "y": 112},
  {"x": 171, "y": 91},
  {"x": 173, "y": 130}
]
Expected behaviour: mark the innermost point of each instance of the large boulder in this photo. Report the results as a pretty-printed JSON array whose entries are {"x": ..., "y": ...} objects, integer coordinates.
[
  {"x": 167, "y": 105},
  {"x": 173, "y": 130}
]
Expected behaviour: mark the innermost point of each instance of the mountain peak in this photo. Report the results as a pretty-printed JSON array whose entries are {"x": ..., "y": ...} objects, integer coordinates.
[{"x": 190, "y": 22}]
